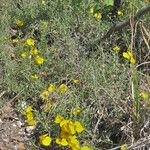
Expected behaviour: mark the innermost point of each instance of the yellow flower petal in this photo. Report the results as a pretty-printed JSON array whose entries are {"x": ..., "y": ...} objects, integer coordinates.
[
  {"x": 28, "y": 109},
  {"x": 85, "y": 148},
  {"x": 44, "y": 95},
  {"x": 62, "y": 142},
  {"x": 45, "y": 140},
  {"x": 58, "y": 119},
  {"x": 71, "y": 128},
  {"x": 19, "y": 23},
  {"x": 79, "y": 128},
  {"x": 24, "y": 55},
  {"x": 39, "y": 60},
  {"x": 51, "y": 87},
  {"x": 91, "y": 10},
  {"x": 30, "y": 42},
  {"x": 126, "y": 55},
  {"x": 144, "y": 95},
  {"x": 116, "y": 48},
  {"x": 62, "y": 88},
  {"x": 132, "y": 61},
  {"x": 124, "y": 147},
  {"x": 15, "y": 41},
  {"x": 76, "y": 111},
  {"x": 31, "y": 122},
  {"x": 34, "y": 76},
  {"x": 98, "y": 16},
  {"x": 120, "y": 13},
  {"x": 33, "y": 51},
  {"x": 76, "y": 81},
  {"x": 73, "y": 143},
  {"x": 130, "y": 54}
]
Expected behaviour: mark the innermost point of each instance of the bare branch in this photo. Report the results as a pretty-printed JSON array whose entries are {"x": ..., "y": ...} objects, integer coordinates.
[{"x": 126, "y": 22}]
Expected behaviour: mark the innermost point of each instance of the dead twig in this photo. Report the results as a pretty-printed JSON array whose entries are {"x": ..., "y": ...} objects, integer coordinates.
[
  {"x": 1, "y": 94},
  {"x": 142, "y": 143},
  {"x": 126, "y": 22}
]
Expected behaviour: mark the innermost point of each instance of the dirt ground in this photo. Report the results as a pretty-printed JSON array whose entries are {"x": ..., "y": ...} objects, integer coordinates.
[{"x": 12, "y": 135}]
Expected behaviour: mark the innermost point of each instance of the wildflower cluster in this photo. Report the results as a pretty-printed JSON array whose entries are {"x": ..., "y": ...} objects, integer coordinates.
[
  {"x": 30, "y": 45},
  {"x": 52, "y": 88},
  {"x": 19, "y": 25},
  {"x": 68, "y": 132},
  {"x": 29, "y": 49},
  {"x": 128, "y": 55}
]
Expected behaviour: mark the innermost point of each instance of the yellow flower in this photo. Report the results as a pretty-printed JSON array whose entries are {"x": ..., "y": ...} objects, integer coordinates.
[
  {"x": 62, "y": 141},
  {"x": 28, "y": 109},
  {"x": 19, "y": 23},
  {"x": 64, "y": 134},
  {"x": 144, "y": 95},
  {"x": 31, "y": 121},
  {"x": 98, "y": 16},
  {"x": 91, "y": 10},
  {"x": 124, "y": 147},
  {"x": 51, "y": 87},
  {"x": 120, "y": 13},
  {"x": 34, "y": 76},
  {"x": 132, "y": 61},
  {"x": 45, "y": 140},
  {"x": 62, "y": 88},
  {"x": 15, "y": 41},
  {"x": 79, "y": 128},
  {"x": 33, "y": 51},
  {"x": 85, "y": 148},
  {"x": 30, "y": 42},
  {"x": 73, "y": 142},
  {"x": 128, "y": 55},
  {"x": 24, "y": 55},
  {"x": 76, "y": 81},
  {"x": 116, "y": 48},
  {"x": 64, "y": 123},
  {"x": 39, "y": 60},
  {"x": 44, "y": 95},
  {"x": 70, "y": 128},
  {"x": 76, "y": 111},
  {"x": 58, "y": 119}
]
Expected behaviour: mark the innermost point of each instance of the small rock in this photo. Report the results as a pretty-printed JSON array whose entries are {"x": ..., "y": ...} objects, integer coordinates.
[
  {"x": 14, "y": 125},
  {"x": 29, "y": 129},
  {"x": 19, "y": 124}
]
